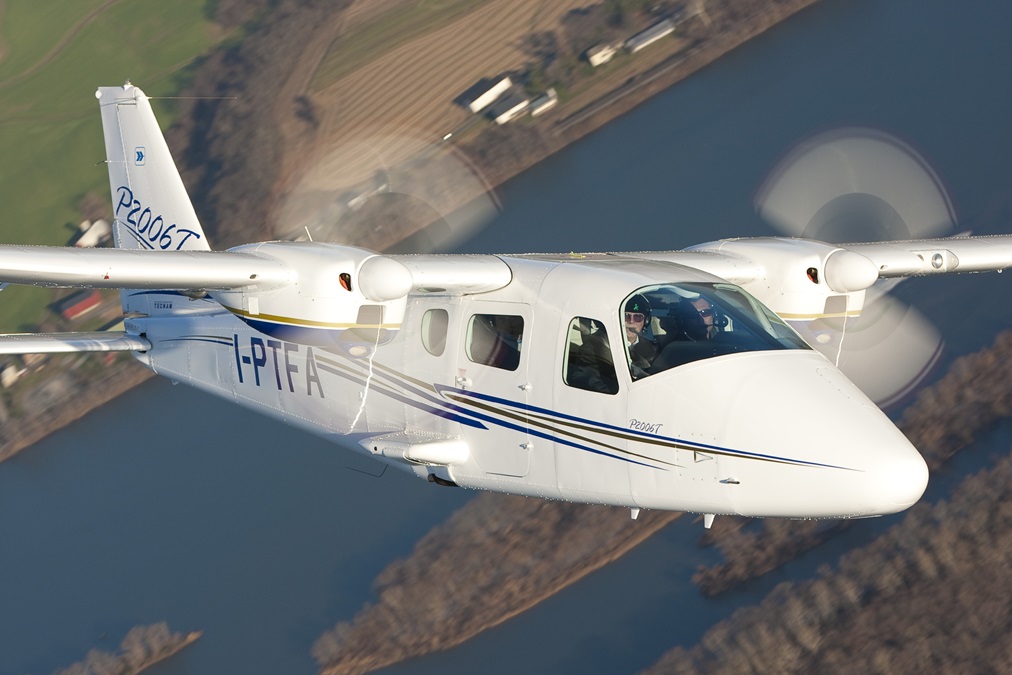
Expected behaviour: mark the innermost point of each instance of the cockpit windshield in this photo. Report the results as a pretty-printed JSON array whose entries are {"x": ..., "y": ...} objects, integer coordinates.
[{"x": 669, "y": 325}]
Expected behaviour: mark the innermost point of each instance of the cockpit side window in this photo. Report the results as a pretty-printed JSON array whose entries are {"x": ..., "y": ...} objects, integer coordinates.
[
  {"x": 669, "y": 325},
  {"x": 589, "y": 364},
  {"x": 495, "y": 340}
]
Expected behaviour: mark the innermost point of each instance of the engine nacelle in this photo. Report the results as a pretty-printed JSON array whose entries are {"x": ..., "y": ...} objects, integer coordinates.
[
  {"x": 803, "y": 280},
  {"x": 338, "y": 296}
]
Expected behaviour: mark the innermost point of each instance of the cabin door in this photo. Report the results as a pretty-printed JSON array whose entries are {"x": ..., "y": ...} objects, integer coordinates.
[{"x": 492, "y": 383}]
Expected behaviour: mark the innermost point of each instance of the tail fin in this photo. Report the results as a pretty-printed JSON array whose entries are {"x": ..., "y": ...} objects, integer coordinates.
[{"x": 151, "y": 209}]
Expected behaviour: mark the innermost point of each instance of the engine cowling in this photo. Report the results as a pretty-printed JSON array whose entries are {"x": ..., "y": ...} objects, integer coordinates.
[
  {"x": 338, "y": 296},
  {"x": 803, "y": 280}
]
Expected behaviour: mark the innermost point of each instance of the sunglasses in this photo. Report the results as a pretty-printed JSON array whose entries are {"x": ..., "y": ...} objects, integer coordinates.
[
  {"x": 635, "y": 317},
  {"x": 705, "y": 312}
]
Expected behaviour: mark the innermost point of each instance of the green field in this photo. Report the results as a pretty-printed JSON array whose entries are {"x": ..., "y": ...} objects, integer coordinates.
[
  {"x": 54, "y": 55},
  {"x": 385, "y": 32}
]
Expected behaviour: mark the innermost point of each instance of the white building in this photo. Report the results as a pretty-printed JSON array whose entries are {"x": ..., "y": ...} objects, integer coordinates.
[
  {"x": 544, "y": 103},
  {"x": 483, "y": 99},
  {"x": 93, "y": 234},
  {"x": 10, "y": 374},
  {"x": 650, "y": 35},
  {"x": 599, "y": 54},
  {"x": 509, "y": 108}
]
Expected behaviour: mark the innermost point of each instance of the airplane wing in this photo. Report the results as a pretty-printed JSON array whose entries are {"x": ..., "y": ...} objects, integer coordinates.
[
  {"x": 268, "y": 267},
  {"x": 937, "y": 256},
  {"x": 131, "y": 268},
  {"x": 57, "y": 343},
  {"x": 845, "y": 267}
]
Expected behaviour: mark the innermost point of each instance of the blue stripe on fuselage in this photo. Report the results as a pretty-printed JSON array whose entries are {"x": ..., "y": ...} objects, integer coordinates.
[{"x": 632, "y": 432}]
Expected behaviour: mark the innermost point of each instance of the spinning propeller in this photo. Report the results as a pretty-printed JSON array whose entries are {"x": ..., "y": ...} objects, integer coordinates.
[
  {"x": 859, "y": 185},
  {"x": 373, "y": 191}
]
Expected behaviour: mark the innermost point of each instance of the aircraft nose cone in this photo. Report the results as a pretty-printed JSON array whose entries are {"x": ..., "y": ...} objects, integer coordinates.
[
  {"x": 899, "y": 479},
  {"x": 816, "y": 446}
]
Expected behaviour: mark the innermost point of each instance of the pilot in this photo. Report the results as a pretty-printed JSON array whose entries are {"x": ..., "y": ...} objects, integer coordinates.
[
  {"x": 696, "y": 318},
  {"x": 642, "y": 348}
]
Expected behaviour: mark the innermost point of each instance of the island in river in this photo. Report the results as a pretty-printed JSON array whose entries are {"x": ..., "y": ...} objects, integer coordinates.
[{"x": 142, "y": 648}]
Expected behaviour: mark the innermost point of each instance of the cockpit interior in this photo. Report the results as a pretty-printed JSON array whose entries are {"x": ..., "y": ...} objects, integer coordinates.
[{"x": 669, "y": 325}]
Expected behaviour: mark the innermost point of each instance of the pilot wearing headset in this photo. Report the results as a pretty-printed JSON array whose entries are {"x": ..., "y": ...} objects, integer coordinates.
[
  {"x": 641, "y": 346},
  {"x": 696, "y": 317}
]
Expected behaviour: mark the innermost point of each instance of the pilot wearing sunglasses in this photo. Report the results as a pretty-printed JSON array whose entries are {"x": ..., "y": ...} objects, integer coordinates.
[
  {"x": 696, "y": 318},
  {"x": 642, "y": 348}
]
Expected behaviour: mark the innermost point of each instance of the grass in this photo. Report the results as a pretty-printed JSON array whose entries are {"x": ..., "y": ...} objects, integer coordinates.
[
  {"x": 30, "y": 29},
  {"x": 51, "y": 147},
  {"x": 385, "y": 33}
]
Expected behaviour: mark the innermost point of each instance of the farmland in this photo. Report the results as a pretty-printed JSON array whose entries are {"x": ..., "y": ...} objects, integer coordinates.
[{"x": 54, "y": 55}]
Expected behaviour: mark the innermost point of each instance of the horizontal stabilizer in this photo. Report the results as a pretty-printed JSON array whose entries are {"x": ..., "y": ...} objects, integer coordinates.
[
  {"x": 62, "y": 343},
  {"x": 132, "y": 268}
]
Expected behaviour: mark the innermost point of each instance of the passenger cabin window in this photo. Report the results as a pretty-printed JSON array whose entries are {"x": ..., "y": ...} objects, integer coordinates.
[
  {"x": 434, "y": 325},
  {"x": 589, "y": 364},
  {"x": 669, "y": 325},
  {"x": 495, "y": 340}
]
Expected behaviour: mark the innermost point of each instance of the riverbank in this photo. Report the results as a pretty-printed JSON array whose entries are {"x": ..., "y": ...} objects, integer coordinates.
[
  {"x": 70, "y": 397},
  {"x": 142, "y": 648},
  {"x": 446, "y": 591},
  {"x": 723, "y": 35}
]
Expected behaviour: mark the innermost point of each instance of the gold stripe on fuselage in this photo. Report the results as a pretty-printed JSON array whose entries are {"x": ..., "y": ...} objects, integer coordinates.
[{"x": 308, "y": 323}]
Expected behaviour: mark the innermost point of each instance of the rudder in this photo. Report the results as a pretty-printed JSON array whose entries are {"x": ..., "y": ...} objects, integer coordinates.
[{"x": 151, "y": 209}]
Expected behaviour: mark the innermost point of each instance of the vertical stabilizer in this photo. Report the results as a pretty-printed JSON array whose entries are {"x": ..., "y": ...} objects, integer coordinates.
[{"x": 151, "y": 209}]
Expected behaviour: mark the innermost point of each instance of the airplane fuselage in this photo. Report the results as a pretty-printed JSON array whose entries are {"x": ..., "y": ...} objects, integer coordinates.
[{"x": 752, "y": 433}]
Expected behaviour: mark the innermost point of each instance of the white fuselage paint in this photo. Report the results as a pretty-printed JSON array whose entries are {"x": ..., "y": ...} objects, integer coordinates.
[{"x": 766, "y": 433}]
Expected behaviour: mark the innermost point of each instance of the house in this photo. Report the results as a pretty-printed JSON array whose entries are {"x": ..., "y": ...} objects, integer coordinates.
[
  {"x": 650, "y": 35},
  {"x": 93, "y": 234},
  {"x": 544, "y": 103},
  {"x": 78, "y": 304},
  {"x": 602, "y": 53},
  {"x": 509, "y": 108},
  {"x": 485, "y": 93}
]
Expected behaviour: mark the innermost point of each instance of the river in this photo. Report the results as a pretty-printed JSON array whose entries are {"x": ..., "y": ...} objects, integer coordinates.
[{"x": 170, "y": 505}]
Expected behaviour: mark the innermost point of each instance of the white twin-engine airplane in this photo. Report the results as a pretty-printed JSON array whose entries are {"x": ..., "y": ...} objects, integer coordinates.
[{"x": 514, "y": 373}]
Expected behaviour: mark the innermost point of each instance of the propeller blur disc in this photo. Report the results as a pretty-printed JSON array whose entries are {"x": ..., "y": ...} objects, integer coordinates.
[
  {"x": 390, "y": 192},
  {"x": 853, "y": 185},
  {"x": 856, "y": 185}
]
